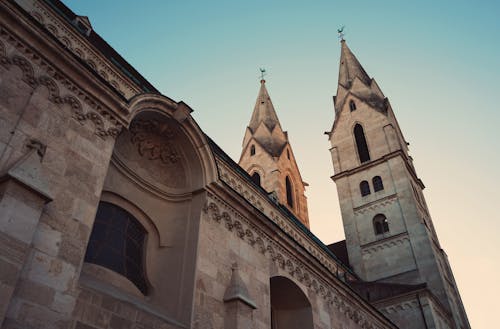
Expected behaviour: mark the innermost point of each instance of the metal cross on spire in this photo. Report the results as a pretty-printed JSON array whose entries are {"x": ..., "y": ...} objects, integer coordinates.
[
  {"x": 341, "y": 33},
  {"x": 262, "y": 73}
]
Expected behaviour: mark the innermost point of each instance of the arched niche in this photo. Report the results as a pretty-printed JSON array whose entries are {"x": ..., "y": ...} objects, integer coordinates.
[
  {"x": 160, "y": 166},
  {"x": 290, "y": 307}
]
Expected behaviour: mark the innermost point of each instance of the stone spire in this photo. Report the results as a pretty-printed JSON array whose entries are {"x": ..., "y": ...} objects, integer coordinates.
[
  {"x": 354, "y": 80},
  {"x": 350, "y": 68},
  {"x": 264, "y": 110},
  {"x": 264, "y": 125},
  {"x": 267, "y": 156}
]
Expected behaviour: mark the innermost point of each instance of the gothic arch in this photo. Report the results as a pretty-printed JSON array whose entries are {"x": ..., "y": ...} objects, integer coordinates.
[
  {"x": 361, "y": 143},
  {"x": 290, "y": 307}
]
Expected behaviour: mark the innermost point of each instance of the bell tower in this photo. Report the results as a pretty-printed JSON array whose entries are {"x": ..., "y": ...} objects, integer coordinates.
[
  {"x": 268, "y": 158},
  {"x": 389, "y": 232}
]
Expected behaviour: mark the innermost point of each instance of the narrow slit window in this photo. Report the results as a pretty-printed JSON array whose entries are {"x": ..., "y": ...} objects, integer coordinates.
[
  {"x": 252, "y": 150},
  {"x": 352, "y": 105},
  {"x": 256, "y": 178},
  {"x": 361, "y": 144},
  {"x": 289, "y": 192}
]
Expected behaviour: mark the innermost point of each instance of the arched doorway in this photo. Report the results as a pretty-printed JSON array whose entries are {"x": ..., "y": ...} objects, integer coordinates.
[{"x": 290, "y": 307}]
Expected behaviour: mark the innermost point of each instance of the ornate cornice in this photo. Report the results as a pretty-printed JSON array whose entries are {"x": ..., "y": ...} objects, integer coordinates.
[
  {"x": 79, "y": 46},
  {"x": 218, "y": 211},
  {"x": 268, "y": 208},
  {"x": 390, "y": 242},
  {"x": 15, "y": 52},
  {"x": 380, "y": 203}
]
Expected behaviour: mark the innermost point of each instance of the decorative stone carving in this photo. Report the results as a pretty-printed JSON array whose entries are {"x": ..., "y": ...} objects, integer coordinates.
[
  {"x": 77, "y": 44},
  {"x": 216, "y": 209},
  {"x": 374, "y": 247},
  {"x": 267, "y": 206},
  {"x": 104, "y": 122},
  {"x": 376, "y": 204},
  {"x": 152, "y": 140}
]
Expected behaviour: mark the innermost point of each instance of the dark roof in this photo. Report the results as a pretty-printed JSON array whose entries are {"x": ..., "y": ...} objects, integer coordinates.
[
  {"x": 102, "y": 46},
  {"x": 340, "y": 250},
  {"x": 374, "y": 291}
]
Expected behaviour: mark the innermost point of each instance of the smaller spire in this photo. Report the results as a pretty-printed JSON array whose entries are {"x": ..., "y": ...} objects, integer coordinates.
[
  {"x": 264, "y": 110},
  {"x": 350, "y": 68}
]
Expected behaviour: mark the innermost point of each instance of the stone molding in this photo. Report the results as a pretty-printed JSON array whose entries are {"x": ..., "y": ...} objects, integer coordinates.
[
  {"x": 77, "y": 44},
  {"x": 220, "y": 212},
  {"x": 385, "y": 201},
  {"x": 394, "y": 241},
  {"x": 268, "y": 208},
  {"x": 105, "y": 124},
  {"x": 400, "y": 307}
]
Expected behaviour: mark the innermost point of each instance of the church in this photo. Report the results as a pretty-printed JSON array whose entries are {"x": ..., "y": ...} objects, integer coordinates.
[{"x": 118, "y": 211}]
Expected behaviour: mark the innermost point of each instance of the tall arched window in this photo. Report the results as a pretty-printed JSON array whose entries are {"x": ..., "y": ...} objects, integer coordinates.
[
  {"x": 117, "y": 243},
  {"x": 364, "y": 188},
  {"x": 352, "y": 105},
  {"x": 377, "y": 183},
  {"x": 256, "y": 178},
  {"x": 289, "y": 192},
  {"x": 359, "y": 135},
  {"x": 380, "y": 224},
  {"x": 252, "y": 150}
]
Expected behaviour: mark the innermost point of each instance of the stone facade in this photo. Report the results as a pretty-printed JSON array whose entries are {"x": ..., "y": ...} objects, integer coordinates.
[{"x": 84, "y": 136}]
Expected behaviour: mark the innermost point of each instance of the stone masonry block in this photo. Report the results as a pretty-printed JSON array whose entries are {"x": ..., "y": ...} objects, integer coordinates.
[
  {"x": 51, "y": 271},
  {"x": 34, "y": 292},
  {"x": 47, "y": 240}
]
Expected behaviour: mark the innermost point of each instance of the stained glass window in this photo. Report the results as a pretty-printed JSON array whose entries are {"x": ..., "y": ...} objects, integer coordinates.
[{"x": 117, "y": 243}]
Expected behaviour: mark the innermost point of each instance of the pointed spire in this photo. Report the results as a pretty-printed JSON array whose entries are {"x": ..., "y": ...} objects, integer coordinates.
[
  {"x": 264, "y": 110},
  {"x": 350, "y": 68},
  {"x": 354, "y": 80}
]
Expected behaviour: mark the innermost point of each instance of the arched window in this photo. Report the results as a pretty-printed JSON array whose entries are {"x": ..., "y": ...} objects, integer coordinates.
[
  {"x": 252, "y": 150},
  {"x": 377, "y": 183},
  {"x": 352, "y": 105},
  {"x": 289, "y": 192},
  {"x": 117, "y": 243},
  {"x": 364, "y": 188},
  {"x": 256, "y": 178},
  {"x": 380, "y": 224},
  {"x": 359, "y": 135}
]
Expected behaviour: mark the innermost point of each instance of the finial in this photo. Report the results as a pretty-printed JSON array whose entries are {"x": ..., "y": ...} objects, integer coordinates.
[
  {"x": 262, "y": 74},
  {"x": 341, "y": 33}
]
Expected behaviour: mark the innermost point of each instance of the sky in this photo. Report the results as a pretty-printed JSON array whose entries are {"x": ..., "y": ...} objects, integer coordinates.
[{"x": 438, "y": 62}]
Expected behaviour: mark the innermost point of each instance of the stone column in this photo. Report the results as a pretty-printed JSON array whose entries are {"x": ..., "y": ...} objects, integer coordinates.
[
  {"x": 23, "y": 194},
  {"x": 238, "y": 304}
]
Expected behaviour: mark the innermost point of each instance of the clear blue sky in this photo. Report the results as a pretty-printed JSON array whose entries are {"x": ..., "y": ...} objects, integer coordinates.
[{"x": 437, "y": 61}]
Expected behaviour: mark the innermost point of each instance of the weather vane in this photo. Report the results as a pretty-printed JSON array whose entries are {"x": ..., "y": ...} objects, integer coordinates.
[
  {"x": 262, "y": 73},
  {"x": 341, "y": 33}
]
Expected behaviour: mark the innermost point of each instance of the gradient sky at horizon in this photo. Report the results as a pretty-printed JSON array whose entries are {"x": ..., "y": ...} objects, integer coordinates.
[{"x": 438, "y": 62}]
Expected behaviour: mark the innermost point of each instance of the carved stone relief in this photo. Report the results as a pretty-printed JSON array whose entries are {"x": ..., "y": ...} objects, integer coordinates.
[
  {"x": 220, "y": 212},
  {"x": 149, "y": 152},
  {"x": 268, "y": 208},
  {"x": 105, "y": 124},
  {"x": 80, "y": 47},
  {"x": 375, "y": 247}
]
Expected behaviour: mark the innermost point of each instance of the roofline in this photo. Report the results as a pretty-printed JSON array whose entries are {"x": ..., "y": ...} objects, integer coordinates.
[{"x": 104, "y": 48}]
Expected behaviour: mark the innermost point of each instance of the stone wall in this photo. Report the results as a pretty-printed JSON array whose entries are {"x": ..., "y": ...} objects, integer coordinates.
[{"x": 43, "y": 244}]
